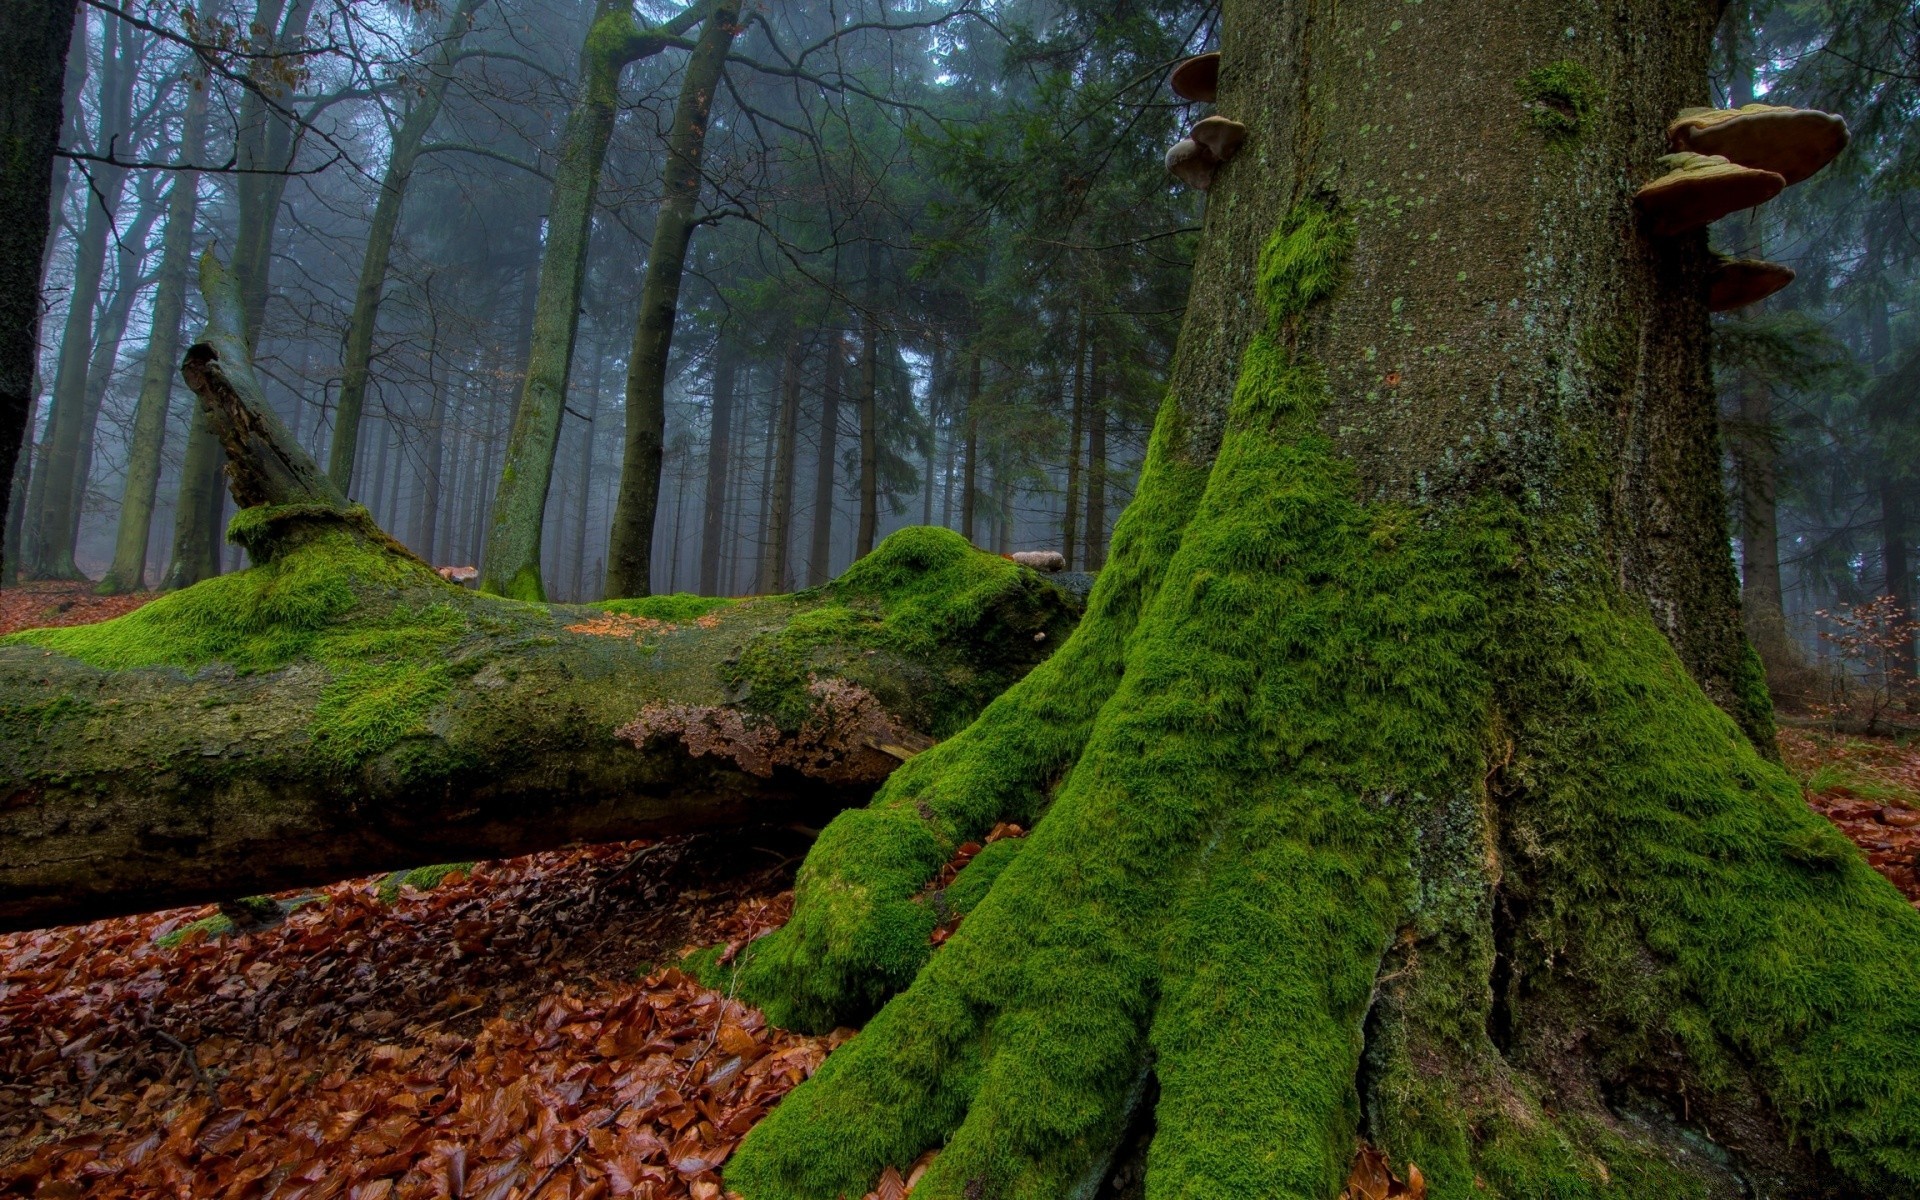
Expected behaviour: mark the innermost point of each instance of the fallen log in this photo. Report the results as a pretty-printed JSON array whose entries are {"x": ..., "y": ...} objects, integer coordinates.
[{"x": 340, "y": 709}]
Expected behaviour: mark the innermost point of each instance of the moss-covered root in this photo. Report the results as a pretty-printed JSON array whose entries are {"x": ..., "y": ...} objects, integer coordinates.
[
  {"x": 1647, "y": 820},
  {"x": 860, "y": 930}
]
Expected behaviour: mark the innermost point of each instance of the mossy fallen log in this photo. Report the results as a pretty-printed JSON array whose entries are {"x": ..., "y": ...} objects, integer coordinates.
[{"x": 340, "y": 709}]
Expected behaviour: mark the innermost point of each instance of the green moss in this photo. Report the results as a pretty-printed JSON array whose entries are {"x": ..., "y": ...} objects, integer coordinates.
[
  {"x": 422, "y": 879},
  {"x": 1560, "y": 98},
  {"x": 382, "y": 625},
  {"x": 216, "y": 926},
  {"x": 1204, "y": 887},
  {"x": 680, "y": 608}
]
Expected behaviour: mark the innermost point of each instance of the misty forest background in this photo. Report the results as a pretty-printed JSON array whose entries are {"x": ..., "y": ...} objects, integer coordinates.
[{"x": 937, "y": 278}]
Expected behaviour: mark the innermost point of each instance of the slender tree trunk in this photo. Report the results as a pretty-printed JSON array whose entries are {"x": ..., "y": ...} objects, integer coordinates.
[
  {"x": 49, "y": 549},
  {"x": 869, "y": 438},
  {"x": 586, "y": 482},
  {"x": 512, "y": 566},
  {"x": 1070, "y": 521},
  {"x": 402, "y": 153},
  {"x": 33, "y": 66},
  {"x": 147, "y": 438},
  {"x": 936, "y": 385},
  {"x": 630, "y": 548},
  {"x": 774, "y": 573},
  {"x": 1096, "y": 538},
  {"x": 970, "y": 471},
  {"x": 1752, "y": 449},
  {"x": 827, "y": 452},
  {"x": 713, "y": 525}
]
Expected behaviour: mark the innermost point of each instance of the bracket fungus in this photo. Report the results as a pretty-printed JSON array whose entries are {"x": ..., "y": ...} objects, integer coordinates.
[
  {"x": 1194, "y": 158},
  {"x": 1793, "y": 143},
  {"x": 1198, "y": 78},
  {"x": 1738, "y": 282},
  {"x": 1699, "y": 189}
]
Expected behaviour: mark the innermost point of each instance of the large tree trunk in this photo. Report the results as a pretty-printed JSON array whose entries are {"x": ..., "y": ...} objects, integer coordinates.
[
  {"x": 615, "y": 39},
  {"x": 630, "y": 546},
  {"x": 32, "y": 68},
  {"x": 340, "y": 708},
  {"x": 1383, "y": 791},
  {"x": 403, "y": 153}
]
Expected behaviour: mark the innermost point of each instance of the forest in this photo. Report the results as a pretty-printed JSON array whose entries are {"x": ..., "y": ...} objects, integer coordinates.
[{"x": 793, "y": 599}]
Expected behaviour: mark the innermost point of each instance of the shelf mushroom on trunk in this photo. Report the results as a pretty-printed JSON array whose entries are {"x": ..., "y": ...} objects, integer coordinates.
[
  {"x": 1197, "y": 79},
  {"x": 1194, "y": 158},
  {"x": 1699, "y": 189},
  {"x": 1738, "y": 282},
  {"x": 1793, "y": 143}
]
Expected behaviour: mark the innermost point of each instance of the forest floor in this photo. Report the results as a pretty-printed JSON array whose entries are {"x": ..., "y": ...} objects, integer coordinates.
[
  {"x": 34, "y": 605},
  {"x": 509, "y": 1030}
]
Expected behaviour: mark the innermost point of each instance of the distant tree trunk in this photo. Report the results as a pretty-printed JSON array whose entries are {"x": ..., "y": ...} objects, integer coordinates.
[
  {"x": 713, "y": 525},
  {"x": 970, "y": 471},
  {"x": 1893, "y": 397},
  {"x": 774, "y": 573},
  {"x": 615, "y": 39},
  {"x": 1096, "y": 538},
  {"x": 586, "y": 482},
  {"x": 832, "y": 377},
  {"x": 1750, "y": 445},
  {"x": 1070, "y": 521},
  {"x": 49, "y": 549},
  {"x": 33, "y": 61},
  {"x": 869, "y": 438},
  {"x": 402, "y": 153},
  {"x": 630, "y": 545},
  {"x": 937, "y": 382}
]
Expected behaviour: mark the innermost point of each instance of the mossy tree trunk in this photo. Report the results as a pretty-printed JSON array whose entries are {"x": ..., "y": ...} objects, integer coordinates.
[
  {"x": 614, "y": 40},
  {"x": 1409, "y": 776},
  {"x": 630, "y": 546}
]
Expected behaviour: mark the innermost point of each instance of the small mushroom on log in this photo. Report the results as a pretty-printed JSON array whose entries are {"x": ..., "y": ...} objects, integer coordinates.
[
  {"x": 1198, "y": 78},
  {"x": 1793, "y": 143},
  {"x": 1738, "y": 282},
  {"x": 1699, "y": 189}
]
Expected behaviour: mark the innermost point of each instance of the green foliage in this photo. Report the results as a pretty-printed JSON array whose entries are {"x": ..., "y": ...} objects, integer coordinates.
[{"x": 1560, "y": 97}]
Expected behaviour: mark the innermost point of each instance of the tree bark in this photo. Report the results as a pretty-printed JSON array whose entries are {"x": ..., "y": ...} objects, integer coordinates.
[
  {"x": 1382, "y": 791},
  {"x": 402, "y": 155},
  {"x": 970, "y": 450},
  {"x": 713, "y": 527},
  {"x": 49, "y": 549},
  {"x": 1069, "y": 530},
  {"x": 1754, "y": 454},
  {"x": 775, "y": 575},
  {"x": 826, "y": 454},
  {"x": 32, "y": 70},
  {"x": 869, "y": 437},
  {"x": 1096, "y": 536},
  {"x": 630, "y": 546},
  {"x": 147, "y": 438},
  {"x": 615, "y": 39}
]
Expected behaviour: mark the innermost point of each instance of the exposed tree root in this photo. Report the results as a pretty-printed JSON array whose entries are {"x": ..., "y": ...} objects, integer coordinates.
[{"x": 1370, "y": 769}]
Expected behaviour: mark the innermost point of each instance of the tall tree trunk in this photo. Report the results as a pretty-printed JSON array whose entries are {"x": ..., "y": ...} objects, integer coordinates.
[
  {"x": 1069, "y": 524},
  {"x": 630, "y": 547},
  {"x": 775, "y": 575},
  {"x": 147, "y": 438},
  {"x": 970, "y": 450},
  {"x": 32, "y": 69},
  {"x": 615, "y": 39},
  {"x": 713, "y": 518},
  {"x": 49, "y": 549},
  {"x": 937, "y": 383},
  {"x": 1383, "y": 790},
  {"x": 586, "y": 483},
  {"x": 403, "y": 152},
  {"x": 1096, "y": 537},
  {"x": 869, "y": 437},
  {"x": 825, "y": 461}
]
